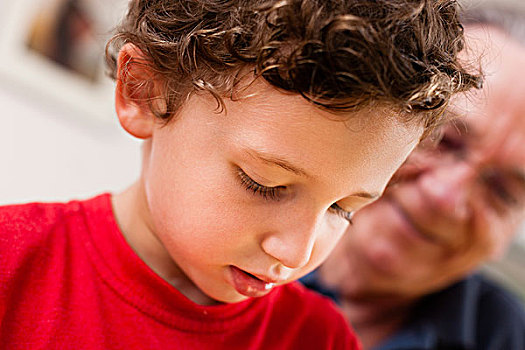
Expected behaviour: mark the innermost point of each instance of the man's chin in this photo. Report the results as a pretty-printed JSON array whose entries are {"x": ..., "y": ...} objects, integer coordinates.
[{"x": 373, "y": 294}]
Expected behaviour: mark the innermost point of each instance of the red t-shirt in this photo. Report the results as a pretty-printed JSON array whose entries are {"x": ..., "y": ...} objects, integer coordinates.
[{"x": 69, "y": 280}]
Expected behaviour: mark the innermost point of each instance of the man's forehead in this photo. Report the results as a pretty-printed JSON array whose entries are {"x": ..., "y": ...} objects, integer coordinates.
[
  {"x": 492, "y": 118},
  {"x": 498, "y": 147},
  {"x": 500, "y": 103}
]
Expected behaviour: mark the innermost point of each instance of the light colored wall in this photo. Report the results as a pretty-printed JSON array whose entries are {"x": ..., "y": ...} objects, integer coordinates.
[
  {"x": 49, "y": 154},
  {"x": 514, "y": 3},
  {"x": 59, "y": 136}
]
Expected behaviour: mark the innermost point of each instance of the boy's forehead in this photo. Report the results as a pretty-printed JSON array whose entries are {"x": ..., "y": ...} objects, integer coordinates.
[
  {"x": 263, "y": 103},
  {"x": 258, "y": 97}
]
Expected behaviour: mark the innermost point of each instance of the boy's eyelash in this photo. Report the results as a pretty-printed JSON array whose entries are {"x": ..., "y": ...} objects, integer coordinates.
[
  {"x": 347, "y": 215},
  {"x": 273, "y": 194},
  {"x": 255, "y": 187}
]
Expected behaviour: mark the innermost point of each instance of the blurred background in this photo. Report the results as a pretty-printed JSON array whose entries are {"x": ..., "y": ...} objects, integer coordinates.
[{"x": 60, "y": 138}]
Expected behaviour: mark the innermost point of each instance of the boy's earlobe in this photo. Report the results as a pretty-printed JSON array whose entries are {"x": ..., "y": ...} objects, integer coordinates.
[{"x": 132, "y": 94}]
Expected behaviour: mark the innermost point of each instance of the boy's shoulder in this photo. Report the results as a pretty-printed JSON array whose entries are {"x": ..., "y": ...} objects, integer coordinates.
[
  {"x": 30, "y": 216},
  {"x": 32, "y": 221},
  {"x": 35, "y": 227}
]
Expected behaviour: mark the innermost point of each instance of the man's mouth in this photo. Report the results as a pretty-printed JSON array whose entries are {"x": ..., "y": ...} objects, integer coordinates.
[{"x": 411, "y": 226}]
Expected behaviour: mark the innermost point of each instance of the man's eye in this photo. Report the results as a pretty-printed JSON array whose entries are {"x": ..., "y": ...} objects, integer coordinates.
[
  {"x": 451, "y": 143},
  {"x": 347, "y": 215},
  {"x": 256, "y": 188},
  {"x": 497, "y": 185}
]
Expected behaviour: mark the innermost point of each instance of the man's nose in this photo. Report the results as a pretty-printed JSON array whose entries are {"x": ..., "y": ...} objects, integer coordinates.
[
  {"x": 293, "y": 238},
  {"x": 447, "y": 188}
]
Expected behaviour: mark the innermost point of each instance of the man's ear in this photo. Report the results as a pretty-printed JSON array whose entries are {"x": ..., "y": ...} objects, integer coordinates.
[{"x": 133, "y": 93}]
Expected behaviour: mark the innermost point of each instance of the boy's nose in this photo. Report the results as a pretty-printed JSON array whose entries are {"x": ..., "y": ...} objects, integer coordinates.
[
  {"x": 293, "y": 241},
  {"x": 447, "y": 189}
]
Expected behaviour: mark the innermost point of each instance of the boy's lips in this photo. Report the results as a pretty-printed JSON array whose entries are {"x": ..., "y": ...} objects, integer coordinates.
[{"x": 250, "y": 285}]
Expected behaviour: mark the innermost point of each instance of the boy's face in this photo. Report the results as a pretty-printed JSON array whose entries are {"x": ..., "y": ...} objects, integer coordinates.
[{"x": 254, "y": 197}]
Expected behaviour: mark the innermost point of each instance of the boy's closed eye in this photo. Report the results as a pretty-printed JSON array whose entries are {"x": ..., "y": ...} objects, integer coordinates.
[{"x": 275, "y": 193}]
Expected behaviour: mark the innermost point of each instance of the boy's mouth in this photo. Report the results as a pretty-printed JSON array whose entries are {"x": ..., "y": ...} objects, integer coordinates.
[{"x": 249, "y": 285}]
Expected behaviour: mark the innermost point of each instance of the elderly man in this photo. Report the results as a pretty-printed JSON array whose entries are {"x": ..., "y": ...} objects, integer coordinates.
[{"x": 403, "y": 274}]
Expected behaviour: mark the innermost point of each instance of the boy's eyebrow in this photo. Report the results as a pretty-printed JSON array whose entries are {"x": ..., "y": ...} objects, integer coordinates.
[
  {"x": 274, "y": 160},
  {"x": 366, "y": 195},
  {"x": 286, "y": 165}
]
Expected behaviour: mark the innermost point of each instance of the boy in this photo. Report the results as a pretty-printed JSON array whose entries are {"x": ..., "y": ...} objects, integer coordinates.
[{"x": 266, "y": 125}]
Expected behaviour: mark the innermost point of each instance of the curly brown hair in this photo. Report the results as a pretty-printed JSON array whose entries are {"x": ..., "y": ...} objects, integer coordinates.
[{"x": 341, "y": 55}]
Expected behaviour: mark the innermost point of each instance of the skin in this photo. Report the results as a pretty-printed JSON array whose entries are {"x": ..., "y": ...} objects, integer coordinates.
[
  {"x": 452, "y": 207},
  {"x": 190, "y": 216}
]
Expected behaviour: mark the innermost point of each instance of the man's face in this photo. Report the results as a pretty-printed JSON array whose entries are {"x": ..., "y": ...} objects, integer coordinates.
[
  {"x": 453, "y": 206},
  {"x": 258, "y": 195}
]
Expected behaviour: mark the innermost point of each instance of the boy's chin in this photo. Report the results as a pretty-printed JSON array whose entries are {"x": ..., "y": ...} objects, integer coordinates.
[
  {"x": 230, "y": 297},
  {"x": 226, "y": 298},
  {"x": 208, "y": 298}
]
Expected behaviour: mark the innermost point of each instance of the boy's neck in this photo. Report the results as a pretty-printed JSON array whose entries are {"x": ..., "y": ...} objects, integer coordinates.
[{"x": 132, "y": 215}]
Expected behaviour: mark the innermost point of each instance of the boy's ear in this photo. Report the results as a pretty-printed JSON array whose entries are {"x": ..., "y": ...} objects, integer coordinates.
[{"x": 133, "y": 93}]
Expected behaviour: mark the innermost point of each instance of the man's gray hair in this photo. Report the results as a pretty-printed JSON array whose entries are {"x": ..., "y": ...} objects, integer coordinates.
[{"x": 503, "y": 15}]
